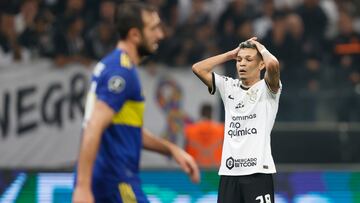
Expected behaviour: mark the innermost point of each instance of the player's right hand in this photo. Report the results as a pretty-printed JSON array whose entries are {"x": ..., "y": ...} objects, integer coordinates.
[
  {"x": 233, "y": 53},
  {"x": 252, "y": 38},
  {"x": 82, "y": 195}
]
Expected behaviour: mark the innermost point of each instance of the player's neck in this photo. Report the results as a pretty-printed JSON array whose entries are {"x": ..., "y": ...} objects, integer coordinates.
[
  {"x": 248, "y": 83},
  {"x": 131, "y": 50}
]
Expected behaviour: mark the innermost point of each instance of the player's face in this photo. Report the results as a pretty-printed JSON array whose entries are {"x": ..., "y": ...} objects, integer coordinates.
[
  {"x": 152, "y": 33},
  {"x": 248, "y": 64}
]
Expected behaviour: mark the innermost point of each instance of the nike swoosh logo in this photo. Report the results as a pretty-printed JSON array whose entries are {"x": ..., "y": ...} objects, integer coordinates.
[{"x": 230, "y": 97}]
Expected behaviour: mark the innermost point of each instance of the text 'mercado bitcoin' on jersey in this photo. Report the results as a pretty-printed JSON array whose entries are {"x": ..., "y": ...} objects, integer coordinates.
[
  {"x": 115, "y": 81},
  {"x": 249, "y": 118}
]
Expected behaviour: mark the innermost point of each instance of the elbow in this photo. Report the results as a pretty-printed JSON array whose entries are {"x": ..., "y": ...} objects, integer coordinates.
[
  {"x": 273, "y": 65},
  {"x": 195, "y": 68},
  {"x": 198, "y": 69}
]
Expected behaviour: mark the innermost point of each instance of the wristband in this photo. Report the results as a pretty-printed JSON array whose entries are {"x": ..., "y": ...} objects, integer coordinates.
[{"x": 263, "y": 50}]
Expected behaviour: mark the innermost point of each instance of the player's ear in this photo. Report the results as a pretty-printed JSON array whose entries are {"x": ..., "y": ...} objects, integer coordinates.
[
  {"x": 134, "y": 35},
  {"x": 261, "y": 65}
]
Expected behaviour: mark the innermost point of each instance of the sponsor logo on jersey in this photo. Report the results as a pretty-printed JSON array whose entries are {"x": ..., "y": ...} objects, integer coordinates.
[
  {"x": 242, "y": 132},
  {"x": 116, "y": 84},
  {"x": 235, "y": 130},
  {"x": 240, "y": 163},
  {"x": 230, "y": 163},
  {"x": 243, "y": 118}
]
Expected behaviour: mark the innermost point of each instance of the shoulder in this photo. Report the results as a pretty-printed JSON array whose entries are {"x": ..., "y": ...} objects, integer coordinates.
[
  {"x": 227, "y": 80},
  {"x": 105, "y": 70},
  {"x": 118, "y": 59},
  {"x": 270, "y": 92},
  {"x": 115, "y": 78},
  {"x": 214, "y": 124},
  {"x": 190, "y": 129},
  {"x": 116, "y": 62}
]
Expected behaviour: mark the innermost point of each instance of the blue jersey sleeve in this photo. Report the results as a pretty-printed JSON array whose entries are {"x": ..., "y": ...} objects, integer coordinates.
[{"x": 114, "y": 87}]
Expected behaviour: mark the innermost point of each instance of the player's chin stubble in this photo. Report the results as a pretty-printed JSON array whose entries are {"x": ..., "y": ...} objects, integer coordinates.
[{"x": 144, "y": 50}]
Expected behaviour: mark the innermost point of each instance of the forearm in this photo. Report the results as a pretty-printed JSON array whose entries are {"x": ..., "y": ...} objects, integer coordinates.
[
  {"x": 272, "y": 74},
  {"x": 207, "y": 65},
  {"x": 269, "y": 59},
  {"x": 89, "y": 147},
  {"x": 62, "y": 60},
  {"x": 165, "y": 147},
  {"x": 204, "y": 68},
  {"x": 153, "y": 143}
]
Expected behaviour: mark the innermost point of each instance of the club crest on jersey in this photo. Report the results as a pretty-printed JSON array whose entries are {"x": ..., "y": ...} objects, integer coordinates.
[
  {"x": 116, "y": 84},
  {"x": 252, "y": 95},
  {"x": 230, "y": 163},
  {"x": 240, "y": 105}
]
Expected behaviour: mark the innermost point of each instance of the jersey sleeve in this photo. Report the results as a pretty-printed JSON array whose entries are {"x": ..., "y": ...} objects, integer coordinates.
[
  {"x": 272, "y": 94},
  {"x": 114, "y": 88},
  {"x": 218, "y": 82}
]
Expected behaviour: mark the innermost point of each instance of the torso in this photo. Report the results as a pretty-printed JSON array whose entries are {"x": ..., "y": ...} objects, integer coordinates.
[{"x": 249, "y": 118}]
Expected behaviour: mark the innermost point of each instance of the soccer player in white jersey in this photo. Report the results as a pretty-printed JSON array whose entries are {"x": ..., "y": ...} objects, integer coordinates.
[{"x": 251, "y": 105}]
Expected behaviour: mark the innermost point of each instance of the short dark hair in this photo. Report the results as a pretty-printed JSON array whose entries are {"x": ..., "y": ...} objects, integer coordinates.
[
  {"x": 129, "y": 15},
  {"x": 206, "y": 111},
  {"x": 248, "y": 45}
]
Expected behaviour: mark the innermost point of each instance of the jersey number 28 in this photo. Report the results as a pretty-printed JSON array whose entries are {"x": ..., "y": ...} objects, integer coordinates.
[{"x": 264, "y": 198}]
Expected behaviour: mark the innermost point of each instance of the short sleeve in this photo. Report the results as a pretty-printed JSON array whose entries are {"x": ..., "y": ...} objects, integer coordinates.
[
  {"x": 218, "y": 82},
  {"x": 113, "y": 88},
  {"x": 272, "y": 94}
]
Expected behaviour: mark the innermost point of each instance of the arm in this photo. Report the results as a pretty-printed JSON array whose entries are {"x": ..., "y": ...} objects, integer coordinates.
[
  {"x": 272, "y": 74},
  {"x": 186, "y": 162},
  {"x": 62, "y": 60},
  {"x": 101, "y": 117},
  {"x": 203, "y": 69}
]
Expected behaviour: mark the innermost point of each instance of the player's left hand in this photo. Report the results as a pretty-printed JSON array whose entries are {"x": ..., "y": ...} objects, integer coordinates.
[
  {"x": 255, "y": 41},
  {"x": 187, "y": 163}
]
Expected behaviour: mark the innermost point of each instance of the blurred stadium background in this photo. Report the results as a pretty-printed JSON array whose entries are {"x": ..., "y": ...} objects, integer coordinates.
[{"x": 48, "y": 48}]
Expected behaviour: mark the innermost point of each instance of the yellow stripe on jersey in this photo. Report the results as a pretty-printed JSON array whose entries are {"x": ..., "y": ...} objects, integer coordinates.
[
  {"x": 125, "y": 61},
  {"x": 131, "y": 114},
  {"x": 127, "y": 194}
]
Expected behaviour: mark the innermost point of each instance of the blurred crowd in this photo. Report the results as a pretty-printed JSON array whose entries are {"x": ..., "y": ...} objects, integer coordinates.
[{"x": 316, "y": 41}]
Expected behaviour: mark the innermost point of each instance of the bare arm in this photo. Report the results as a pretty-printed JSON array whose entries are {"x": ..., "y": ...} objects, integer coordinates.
[
  {"x": 100, "y": 119},
  {"x": 186, "y": 162},
  {"x": 62, "y": 60},
  {"x": 203, "y": 69},
  {"x": 153, "y": 143},
  {"x": 272, "y": 74}
]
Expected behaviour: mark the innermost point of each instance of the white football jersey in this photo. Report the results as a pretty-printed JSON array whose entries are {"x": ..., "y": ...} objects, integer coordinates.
[{"x": 249, "y": 118}]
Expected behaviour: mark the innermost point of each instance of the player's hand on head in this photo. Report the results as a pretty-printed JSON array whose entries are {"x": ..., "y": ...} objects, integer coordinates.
[
  {"x": 82, "y": 195},
  {"x": 233, "y": 53},
  {"x": 187, "y": 164},
  {"x": 257, "y": 43},
  {"x": 252, "y": 39}
]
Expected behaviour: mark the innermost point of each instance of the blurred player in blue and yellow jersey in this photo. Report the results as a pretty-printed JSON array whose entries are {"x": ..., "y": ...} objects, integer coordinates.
[
  {"x": 115, "y": 82},
  {"x": 113, "y": 133}
]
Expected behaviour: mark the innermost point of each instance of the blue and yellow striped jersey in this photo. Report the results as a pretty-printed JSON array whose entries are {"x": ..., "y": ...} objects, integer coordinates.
[{"x": 115, "y": 81}]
